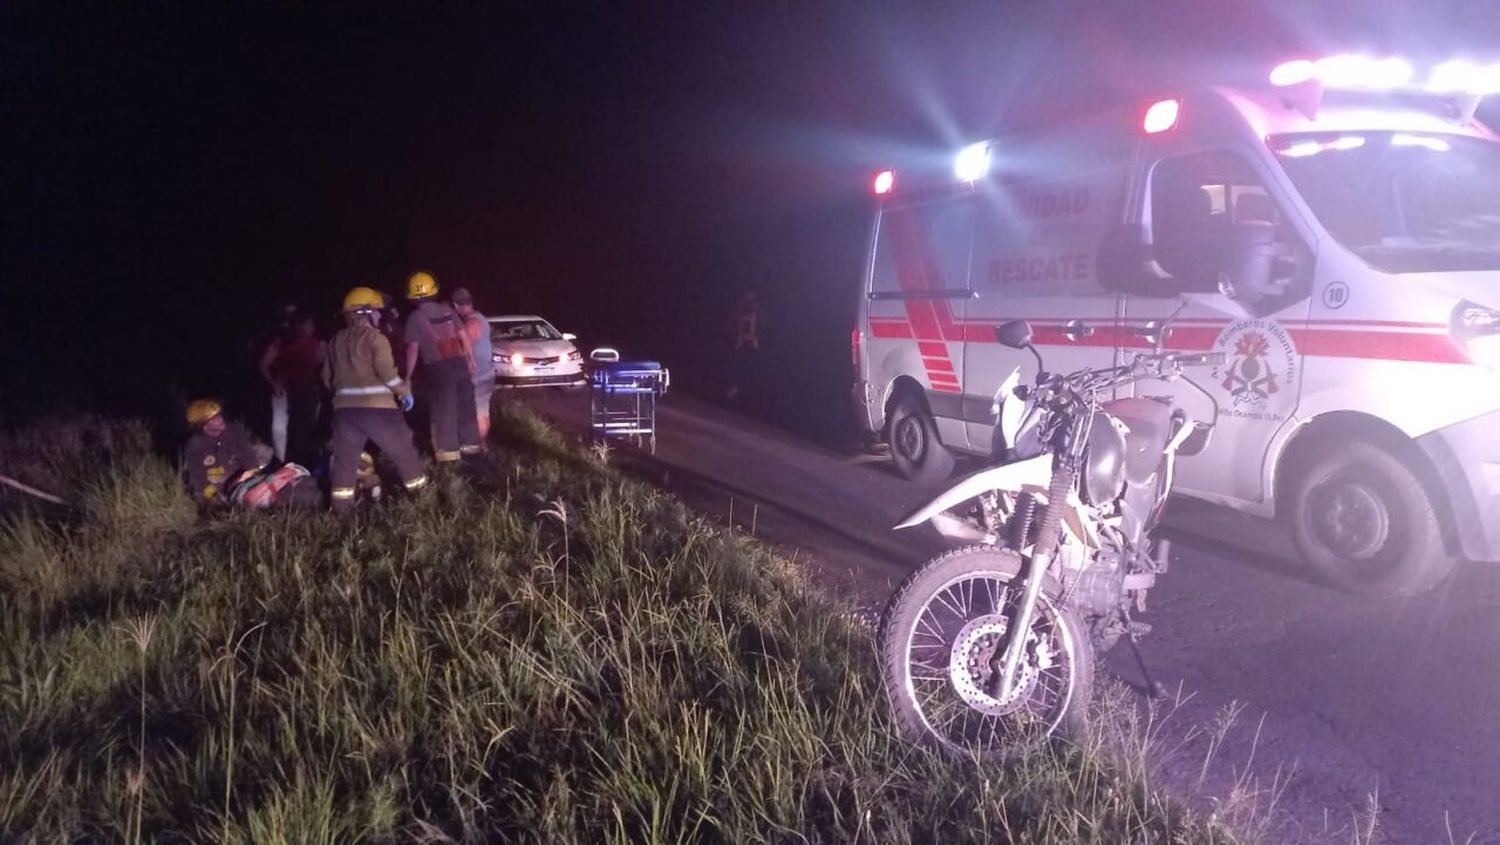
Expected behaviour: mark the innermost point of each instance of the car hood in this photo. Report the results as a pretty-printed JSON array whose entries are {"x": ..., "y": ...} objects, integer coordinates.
[{"x": 534, "y": 348}]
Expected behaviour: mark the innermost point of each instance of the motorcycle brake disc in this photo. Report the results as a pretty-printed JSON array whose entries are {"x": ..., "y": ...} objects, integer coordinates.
[{"x": 969, "y": 665}]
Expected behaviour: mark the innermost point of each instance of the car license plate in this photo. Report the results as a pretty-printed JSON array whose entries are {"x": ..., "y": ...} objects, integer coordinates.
[{"x": 542, "y": 369}]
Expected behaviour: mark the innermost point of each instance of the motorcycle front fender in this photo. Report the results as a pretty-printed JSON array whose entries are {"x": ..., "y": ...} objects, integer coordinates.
[{"x": 1032, "y": 475}]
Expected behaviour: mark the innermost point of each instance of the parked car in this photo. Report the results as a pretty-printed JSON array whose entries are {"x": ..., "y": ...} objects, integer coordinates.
[{"x": 531, "y": 352}]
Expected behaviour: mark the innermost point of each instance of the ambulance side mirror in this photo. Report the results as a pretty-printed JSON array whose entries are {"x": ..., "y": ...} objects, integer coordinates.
[
  {"x": 1014, "y": 333},
  {"x": 1251, "y": 260}
]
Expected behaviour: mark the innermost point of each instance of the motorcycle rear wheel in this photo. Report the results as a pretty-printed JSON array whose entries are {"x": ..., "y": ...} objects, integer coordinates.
[{"x": 938, "y": 637}]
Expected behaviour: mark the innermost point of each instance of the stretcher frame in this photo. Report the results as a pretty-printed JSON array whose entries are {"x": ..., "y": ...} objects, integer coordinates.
[{"x": 623, "y": 397}]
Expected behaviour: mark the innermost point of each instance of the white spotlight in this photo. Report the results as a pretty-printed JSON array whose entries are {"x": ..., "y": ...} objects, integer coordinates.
[{"x": 972, "y": 162}]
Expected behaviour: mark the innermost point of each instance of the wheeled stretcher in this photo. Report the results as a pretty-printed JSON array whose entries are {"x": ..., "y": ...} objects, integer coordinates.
[{"x": 622, "y": 398}]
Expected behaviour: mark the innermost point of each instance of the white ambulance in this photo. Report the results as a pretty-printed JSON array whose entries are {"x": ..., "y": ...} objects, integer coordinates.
[{"x": 1336, "y": 234}]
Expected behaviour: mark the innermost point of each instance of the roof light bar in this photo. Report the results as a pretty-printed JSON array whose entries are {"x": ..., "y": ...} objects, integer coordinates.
[
  {"x": 1351, "y": 71},
  {"x": 1461, "y": 77},
  {"x": 1453, "y": 77},
  {"x": 1293, "y": 73}
]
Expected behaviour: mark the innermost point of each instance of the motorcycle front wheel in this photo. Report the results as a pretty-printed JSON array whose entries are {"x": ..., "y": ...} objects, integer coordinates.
[{"x": 941, "y": 638}]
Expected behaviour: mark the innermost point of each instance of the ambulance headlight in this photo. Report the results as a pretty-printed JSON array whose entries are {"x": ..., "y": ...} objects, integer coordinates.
[
  {"x": 972, "y": 162},
  {"x": 1477, "y": 330}
]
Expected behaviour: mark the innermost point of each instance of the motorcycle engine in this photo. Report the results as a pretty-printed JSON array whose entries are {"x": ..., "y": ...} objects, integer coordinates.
[{"x": 1097, "y": 590}]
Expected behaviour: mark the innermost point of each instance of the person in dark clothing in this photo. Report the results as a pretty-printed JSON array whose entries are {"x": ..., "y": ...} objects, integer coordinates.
[
  {"x": 368, "y": 397},
  {"x": 291, "y": 366},
  {"x": 746, "y": 324},
  {"x": 218, "y": 454},
  {"x": 435, "y": 336},
  {"x": 394, "y": 328}
]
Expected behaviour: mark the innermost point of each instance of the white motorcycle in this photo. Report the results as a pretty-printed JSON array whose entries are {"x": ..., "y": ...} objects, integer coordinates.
[{"x": 991, "y": 647}]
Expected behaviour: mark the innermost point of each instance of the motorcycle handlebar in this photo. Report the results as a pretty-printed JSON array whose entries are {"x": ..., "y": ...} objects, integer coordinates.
[{"x": 1167, "y": 365}]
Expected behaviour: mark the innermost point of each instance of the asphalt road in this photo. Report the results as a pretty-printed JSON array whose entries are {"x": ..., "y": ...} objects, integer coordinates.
[{"x": 1343, "y": 703}]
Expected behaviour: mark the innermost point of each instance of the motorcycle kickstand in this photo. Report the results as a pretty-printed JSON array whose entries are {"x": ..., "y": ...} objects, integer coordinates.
[{"x": 1154, "y": 688}]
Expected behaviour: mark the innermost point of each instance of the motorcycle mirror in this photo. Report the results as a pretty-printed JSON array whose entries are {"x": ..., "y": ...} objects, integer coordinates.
[
  {"x": 1155, "y": 333},
  {"x": 1014, "y": 333}
]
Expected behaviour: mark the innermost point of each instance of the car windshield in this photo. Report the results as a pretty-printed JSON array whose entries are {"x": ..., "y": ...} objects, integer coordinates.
[
  {"x": 502, "y": 330},
  {"x": 1405, "y": 202}
]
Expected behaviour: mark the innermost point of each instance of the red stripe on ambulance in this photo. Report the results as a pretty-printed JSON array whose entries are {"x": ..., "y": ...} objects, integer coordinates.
[{"x": 1350, "y": 340}]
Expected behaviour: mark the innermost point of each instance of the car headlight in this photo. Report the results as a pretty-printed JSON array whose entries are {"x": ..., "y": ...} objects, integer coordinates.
[
  {"x": 1477, "y": 330},
  {"x": 575, "y": 355}
]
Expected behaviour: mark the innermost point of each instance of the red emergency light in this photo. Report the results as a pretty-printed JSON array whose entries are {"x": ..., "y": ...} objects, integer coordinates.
[
  {"x": 885, "y": 180},
  {"x": 1161, "y": 116}
]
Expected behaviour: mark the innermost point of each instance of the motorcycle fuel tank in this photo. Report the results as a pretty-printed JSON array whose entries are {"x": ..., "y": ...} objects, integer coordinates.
[
  {"x": 1125, "y": 445},
  {"x": 1103, "y": 462}
]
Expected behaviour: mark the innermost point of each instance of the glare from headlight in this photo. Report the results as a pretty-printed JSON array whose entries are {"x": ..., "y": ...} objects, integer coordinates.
[
  {"x": 1485, "y": 351},
  {"x": 1477, "y": 329}
]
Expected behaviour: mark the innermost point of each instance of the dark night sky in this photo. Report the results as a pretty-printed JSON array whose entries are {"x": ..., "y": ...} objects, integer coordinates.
[{"x": 170, "y": 174}]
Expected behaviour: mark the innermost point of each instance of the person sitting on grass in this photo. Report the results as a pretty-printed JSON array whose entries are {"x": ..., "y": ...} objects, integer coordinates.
[{"x": 226, "y": 467}]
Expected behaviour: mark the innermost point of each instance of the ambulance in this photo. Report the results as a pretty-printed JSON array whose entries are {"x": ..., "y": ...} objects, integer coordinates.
[{"x": 1335, "y": 233}]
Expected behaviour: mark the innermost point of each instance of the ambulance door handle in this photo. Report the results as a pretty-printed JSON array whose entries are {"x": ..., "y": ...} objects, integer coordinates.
[{"x": 1076, "y": 330}]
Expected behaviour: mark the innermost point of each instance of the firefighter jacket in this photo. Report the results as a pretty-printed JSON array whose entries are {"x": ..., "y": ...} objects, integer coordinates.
[
  {"x": 360, "y": 371},
  {"x": 213, "y": 463}
]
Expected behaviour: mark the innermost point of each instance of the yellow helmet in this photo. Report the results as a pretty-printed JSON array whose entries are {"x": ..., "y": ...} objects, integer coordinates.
[
  {"x": 421, "y": 285},
  {"x": 203, "y": 410},
  {"x": 363, "y": 299}
]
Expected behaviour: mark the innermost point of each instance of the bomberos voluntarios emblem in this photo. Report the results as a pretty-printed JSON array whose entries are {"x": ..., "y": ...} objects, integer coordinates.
[{"x": 1260, "y": 369}]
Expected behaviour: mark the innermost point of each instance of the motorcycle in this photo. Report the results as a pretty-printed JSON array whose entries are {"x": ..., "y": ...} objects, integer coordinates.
[{"x": 991, "y": 647}]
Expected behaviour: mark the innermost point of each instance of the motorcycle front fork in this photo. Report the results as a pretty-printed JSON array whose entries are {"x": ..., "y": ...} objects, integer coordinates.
[{"x": 1036, "y": 577}]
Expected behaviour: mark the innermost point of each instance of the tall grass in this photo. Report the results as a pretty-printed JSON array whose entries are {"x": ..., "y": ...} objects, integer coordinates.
[{"x": 543, "y": 652}]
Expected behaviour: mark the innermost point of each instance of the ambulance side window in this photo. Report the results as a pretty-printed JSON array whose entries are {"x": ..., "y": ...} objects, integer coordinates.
[
  {"x": 1215, "y": 227},
  {"x": 924, "y": 248}
]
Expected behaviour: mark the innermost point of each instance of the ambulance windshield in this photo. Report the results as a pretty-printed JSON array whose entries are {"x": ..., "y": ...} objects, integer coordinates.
[{"x": 1404, "y": 202}]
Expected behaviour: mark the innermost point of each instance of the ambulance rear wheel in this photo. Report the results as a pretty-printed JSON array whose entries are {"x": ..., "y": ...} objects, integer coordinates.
[
  {"x": 915, "y": 447},
  {"x": 1364, "y": 520}
]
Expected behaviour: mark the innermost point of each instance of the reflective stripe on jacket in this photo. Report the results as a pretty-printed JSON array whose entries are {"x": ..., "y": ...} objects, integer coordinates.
[{"x": 360, "y": 370}]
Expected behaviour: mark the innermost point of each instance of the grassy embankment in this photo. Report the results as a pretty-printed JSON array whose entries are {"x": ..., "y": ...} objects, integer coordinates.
[{"x": 549, "y": 653}]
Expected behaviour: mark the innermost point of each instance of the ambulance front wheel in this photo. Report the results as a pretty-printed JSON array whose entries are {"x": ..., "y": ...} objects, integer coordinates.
[
  {"x": 915, "y": 448},
  {"x": 1364, "y": 520}
]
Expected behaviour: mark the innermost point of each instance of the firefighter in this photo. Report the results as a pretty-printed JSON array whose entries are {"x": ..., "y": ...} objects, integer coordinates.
[
  {"x": 435, "y": 336},
  {"x": 368, "y": 398},
  {"x": 218, "y": 454}
]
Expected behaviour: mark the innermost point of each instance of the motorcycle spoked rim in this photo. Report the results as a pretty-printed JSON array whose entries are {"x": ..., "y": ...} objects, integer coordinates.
[{"x": 1046, "y": 608}]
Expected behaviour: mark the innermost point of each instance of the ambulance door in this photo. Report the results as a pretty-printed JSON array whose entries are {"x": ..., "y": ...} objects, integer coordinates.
[
  {"x": 918, "y": 290},
  {"x": 1200, "y": 210},
  {"x": 1035, "y": 257}
]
